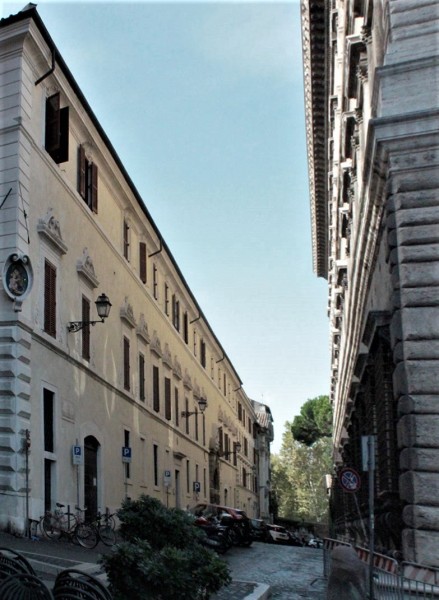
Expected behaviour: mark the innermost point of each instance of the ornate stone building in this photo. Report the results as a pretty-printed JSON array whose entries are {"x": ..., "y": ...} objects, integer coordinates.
[
  {"x": 90, "y": 414},
  {"x": 371, "y": 93}
]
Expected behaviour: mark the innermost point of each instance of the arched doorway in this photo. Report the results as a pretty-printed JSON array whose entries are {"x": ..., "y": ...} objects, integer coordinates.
[{"x": 91, "y": 446}]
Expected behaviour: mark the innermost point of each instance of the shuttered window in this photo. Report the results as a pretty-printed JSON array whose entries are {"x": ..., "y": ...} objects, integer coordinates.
[
  {"x": 126, "y": 240},
  {"x": 168, "y": 411},
  {"x": 142, "y": 261},
  {"x": 142, "y": 377},
  {"x": 176, "y": 408},
  {"x": 49, "y": 298},
  {"x": 126, "y": 363},
  {"x": 155, "y": 389},
  {"x": 57, "y": 129},
  {"x": 87, "y": 180},
  {"x": 203, "y": 353},
  {"x": 176, "y": 312},
  {"x": 86, "y": 328}
]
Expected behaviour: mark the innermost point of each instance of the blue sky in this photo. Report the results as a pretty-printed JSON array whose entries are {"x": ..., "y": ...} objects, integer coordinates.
[{"x": 203, "y": 102}]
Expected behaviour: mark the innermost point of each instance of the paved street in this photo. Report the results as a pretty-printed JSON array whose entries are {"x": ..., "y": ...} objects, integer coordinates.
[{"x": 292, "y": 573}]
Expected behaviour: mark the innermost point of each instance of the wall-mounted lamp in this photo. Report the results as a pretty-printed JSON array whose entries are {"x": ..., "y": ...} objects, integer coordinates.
[
  {"x": 202, "y": 405},
  {"x": 235, "y": 451},
  {"x": 103, "y": 306}
]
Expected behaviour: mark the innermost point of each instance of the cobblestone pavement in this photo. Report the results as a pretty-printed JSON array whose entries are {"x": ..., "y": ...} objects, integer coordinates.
[{"x": 292, "y": 573}]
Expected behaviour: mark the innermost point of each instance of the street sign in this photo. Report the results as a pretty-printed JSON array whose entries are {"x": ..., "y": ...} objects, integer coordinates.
[
  {"x": 197, "y": 487},
  {"x": 77, "y": 456},
  {"x": 167, "y": 478},
  {"x": 368, "y": 452},
  {"x": 350, "y": 480},
  {"x": 126, "y": 454}
]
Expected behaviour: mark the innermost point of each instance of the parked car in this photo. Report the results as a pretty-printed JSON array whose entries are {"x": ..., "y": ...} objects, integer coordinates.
[
  {"x": 259, "y": 530},
  {"x": 278, "y": 534},
  {"x": 315, "y": 543},
  {"x": 234, "y": 518}
]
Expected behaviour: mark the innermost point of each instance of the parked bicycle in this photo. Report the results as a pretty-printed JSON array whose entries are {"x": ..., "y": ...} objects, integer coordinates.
[
  {"x": 106, "y": 526},
  {"x": 59, "y": 523}
]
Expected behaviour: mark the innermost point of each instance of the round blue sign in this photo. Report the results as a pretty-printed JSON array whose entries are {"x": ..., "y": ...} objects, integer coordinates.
[{"x": 349, "y": 479}]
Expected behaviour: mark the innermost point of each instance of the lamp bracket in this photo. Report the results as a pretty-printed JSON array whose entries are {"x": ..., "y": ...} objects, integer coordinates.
[{"x": 75, "y": 326}]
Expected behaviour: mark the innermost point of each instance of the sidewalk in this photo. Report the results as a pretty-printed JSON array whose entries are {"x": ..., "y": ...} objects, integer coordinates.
[{"x": 48, "y": 558}]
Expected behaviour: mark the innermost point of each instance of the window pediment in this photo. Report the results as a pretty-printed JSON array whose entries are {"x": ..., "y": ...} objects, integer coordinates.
[
  {"x": 85, "y": 268},
  {"x": 167, "y": 358},
  {"x": 156, "y": 346},
  {"x": 127, "y": 314},
  {"x": 177, "y": 368},
  {"x": 49, "y": 227},
  {"x": 142, "y": 329}
]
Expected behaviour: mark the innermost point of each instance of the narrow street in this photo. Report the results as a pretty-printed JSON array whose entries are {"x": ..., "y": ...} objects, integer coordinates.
[{"x": 292, "y": 573}]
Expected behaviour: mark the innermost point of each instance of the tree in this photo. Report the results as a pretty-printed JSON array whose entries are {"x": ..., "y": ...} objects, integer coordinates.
[
  {"x": 298, "y": 472},
  {"x": 314, "y": 421}
]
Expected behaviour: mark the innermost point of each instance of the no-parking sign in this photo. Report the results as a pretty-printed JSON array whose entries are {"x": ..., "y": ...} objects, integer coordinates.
[{"x": 349, "y": 479}]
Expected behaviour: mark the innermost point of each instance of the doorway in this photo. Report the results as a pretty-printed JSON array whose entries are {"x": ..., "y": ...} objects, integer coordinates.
[{"x": 91, "y": 446}]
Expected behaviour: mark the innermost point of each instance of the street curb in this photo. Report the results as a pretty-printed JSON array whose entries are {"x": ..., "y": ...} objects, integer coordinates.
[{"x": 261, "y": 592}]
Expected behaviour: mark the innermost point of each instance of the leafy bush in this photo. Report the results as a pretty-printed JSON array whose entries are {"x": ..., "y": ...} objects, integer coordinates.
[{"x": 162, "y": 557}]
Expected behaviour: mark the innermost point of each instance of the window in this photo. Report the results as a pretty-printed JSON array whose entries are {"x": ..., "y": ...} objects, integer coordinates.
[
  {"x": 224, "y": 384},
  {"x": 87, "y": 180},
  {"x": 126, "y": 443},
  {"x": 240, "y": 411},
  {"x": 86, "y": 329},
  {"x": 245, "y": 447},
  {"x": 154, "y": 281},
  {"x": 57, "y": 129},
  {"x": 204, "y": 428},
  {"x": 156, "y": 464},
  {"x": 176, "y": 312},
  {"x": 49, "y": 298},
  {"x": 186, "y": 328},
  {"x": 126, "y": 363},
  {"x": 226, "y": 446},
  {"x": 202, "y": 353},
  {"x": 126, "y": 240},
  {"x": 235, "y": 454},
  {"x": 186, "y": 408},
  {"x": 244, "y": 477},
  {"x": 188, "y": 477},
  {"x": 196, "y": 424},
  {"x": 141, "y": 377},
  {"x": 48, "y": 397},
  {"x": 176, "y": 408},
  {"x": 156, "y": 389},
  {"x": 195, "y": 342},
  {"x": 166, "y": 300},
  {"x": 220, "y": 440},
  {"x": 142, "y": 262},
  {"x": 168, "y": 411}
]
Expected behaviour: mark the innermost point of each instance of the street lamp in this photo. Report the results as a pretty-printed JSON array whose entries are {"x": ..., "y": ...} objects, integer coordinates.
[
  {"x": 235, "y": 451},
  {"x": 202, "y": 405},
  {"x": 103, "y": 306}
]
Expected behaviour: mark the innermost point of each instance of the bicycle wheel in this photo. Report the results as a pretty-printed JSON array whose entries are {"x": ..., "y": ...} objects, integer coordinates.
[
  {"x": 50, "y": 527},
  {"x": 107, "y": 535},
  {"x": 86, "y": 535}
]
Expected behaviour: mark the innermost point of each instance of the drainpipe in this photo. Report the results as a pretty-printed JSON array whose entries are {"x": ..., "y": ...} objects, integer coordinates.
[{"x": 50, "y": 71}]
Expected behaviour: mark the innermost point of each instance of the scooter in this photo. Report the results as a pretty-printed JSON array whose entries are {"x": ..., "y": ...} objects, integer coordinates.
[{"x": 216, "y": 535}]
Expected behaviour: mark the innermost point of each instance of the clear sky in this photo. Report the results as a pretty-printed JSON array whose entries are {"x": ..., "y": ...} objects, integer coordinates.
[{"x": 203, "y": 102}]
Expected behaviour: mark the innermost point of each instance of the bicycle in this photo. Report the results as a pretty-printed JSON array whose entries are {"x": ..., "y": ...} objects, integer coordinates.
[
  {"x": 58, "y": 523},
  {"x": 106, "y": 525}
]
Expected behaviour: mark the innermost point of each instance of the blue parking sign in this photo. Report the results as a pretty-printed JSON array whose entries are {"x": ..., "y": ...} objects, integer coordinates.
[
  {"x": 126, "y": 454},
  {"x": 77, "y": 456}
]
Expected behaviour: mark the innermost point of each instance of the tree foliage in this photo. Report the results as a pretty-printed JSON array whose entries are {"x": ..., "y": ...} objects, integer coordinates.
[
  {"x": 298, "y": 472},
  {"x": 161, "y": 557},
  {"x": 314, "y": 421}
]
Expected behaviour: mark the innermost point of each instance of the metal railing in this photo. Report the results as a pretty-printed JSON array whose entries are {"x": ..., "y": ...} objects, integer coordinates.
[{"x": 392, "y": 580}]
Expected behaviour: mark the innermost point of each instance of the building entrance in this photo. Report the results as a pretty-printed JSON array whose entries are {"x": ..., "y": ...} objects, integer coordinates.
[{"x": 91, "y": 446}]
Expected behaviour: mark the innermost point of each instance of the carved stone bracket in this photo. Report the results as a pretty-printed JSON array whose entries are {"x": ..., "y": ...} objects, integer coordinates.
[
  {"x": 167, "y": 357},
  {"x": 177, "y": 368},
  {"x": 156, "y": 345},
  {"x": 142, "y": 329},
  {"x": 85, "y": 268},
  {"x": 127, "y": 314},
  {"x": 197, "y": 391},
  {"x": 49, "y": 227},
  {"x": 187, "y": 380}
]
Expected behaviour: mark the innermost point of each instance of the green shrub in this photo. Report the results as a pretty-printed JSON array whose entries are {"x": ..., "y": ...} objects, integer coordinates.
[{"x": 162, "y": 557}]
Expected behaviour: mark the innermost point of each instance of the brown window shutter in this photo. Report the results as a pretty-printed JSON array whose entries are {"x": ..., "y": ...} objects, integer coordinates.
[
  {"x": 63, "y": 151},
  {"x": 86, "y": 329},
  {"x": 49, "y": 299},
  {"x": 53, "y": 124},
  {"x": 81, "y": 172},
  {"x": 168, "y": 415},
  {"x": 142, "y": 261},
  {"x": 94, "y": 188},
  {"x": 156, "y": 389},
  {"x": 126, "y": 363}
]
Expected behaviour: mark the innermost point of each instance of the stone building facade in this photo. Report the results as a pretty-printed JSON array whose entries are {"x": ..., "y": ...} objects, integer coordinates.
[
  {"x": 93, "y": 414},
  {"x": 371, "y": 93}
]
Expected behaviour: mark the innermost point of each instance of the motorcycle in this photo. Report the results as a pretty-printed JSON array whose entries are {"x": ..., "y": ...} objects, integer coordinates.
[{"x": 216, "y": 535}]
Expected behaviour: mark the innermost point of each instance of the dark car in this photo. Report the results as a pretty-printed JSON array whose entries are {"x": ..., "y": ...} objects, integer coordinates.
[
  {"x": 233, "y": 518},
  {"x": 259, "y": 530}
]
